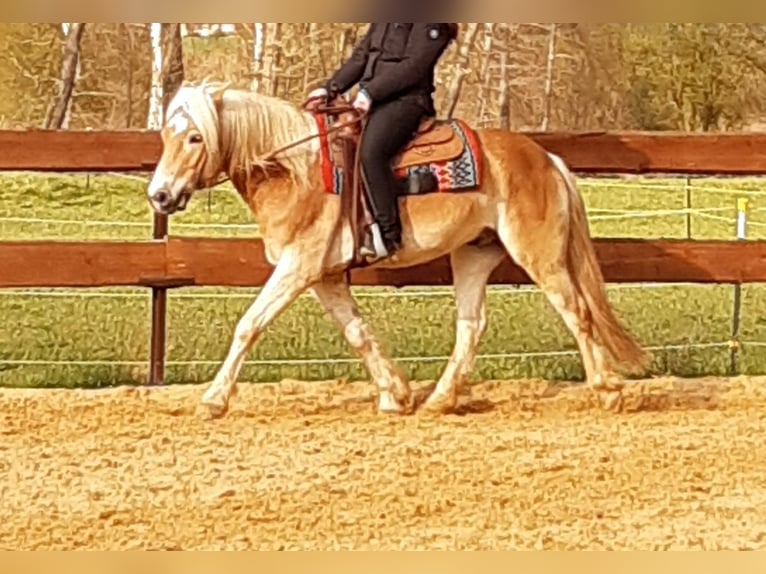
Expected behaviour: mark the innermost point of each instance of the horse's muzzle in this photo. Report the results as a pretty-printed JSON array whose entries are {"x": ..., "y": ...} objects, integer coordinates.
[{"x": 162, "y": 201}]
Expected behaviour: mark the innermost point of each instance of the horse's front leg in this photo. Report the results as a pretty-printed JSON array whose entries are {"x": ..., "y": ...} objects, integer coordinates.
[
  {"x": 395, "y": 395},
  {"x": 291, "y": 276}
]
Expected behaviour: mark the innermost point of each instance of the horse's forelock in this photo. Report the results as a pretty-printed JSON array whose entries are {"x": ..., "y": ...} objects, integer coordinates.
[{"x": 197, "y": 103}]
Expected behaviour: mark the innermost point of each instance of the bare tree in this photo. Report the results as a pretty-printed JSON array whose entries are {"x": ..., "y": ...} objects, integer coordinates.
[
  {"x": 530, "y": 76},
  {"x": 258, "y": 45},
  {"x": 154, "y": 120},
  {"x": 313, "y": 59},
  {"x": 488, "y": 54},
  {"x": 264, "y": 68},
  {"x": 58, "y": 114},
  {"x": 129, "y": 79},
  {"x": 461, "y": 68},
  {"x": 172, "y": 62},
  {"x": 167, "y": 69},
  {"x": 548, "y": 92}
]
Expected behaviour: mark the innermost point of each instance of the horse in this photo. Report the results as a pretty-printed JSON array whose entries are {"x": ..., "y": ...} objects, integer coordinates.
[{"x": 526, "y": 205}]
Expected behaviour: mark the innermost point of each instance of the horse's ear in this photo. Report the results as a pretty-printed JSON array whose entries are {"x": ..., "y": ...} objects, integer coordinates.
[
  {"x": 216, "y": 94},
  {"x": 218, "y": 100}
]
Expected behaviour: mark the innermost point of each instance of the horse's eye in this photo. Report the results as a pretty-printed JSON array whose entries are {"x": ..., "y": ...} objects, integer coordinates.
[{"x": 195, "y": 138}]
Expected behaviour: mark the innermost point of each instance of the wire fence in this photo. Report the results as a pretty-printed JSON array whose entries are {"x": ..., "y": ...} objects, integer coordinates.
[
  {"x": 596, "y": 214},
  {"x": 738, "y": 218},
  {"x": 347, "y": 361},
  {"x": 243, "y": 293}
]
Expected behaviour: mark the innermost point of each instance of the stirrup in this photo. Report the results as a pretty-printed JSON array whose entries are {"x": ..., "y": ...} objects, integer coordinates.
[{"x": 376, "y": 248}]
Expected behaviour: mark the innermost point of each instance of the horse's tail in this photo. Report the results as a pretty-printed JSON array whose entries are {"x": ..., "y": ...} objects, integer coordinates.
[{"x": 589, "y": 281}]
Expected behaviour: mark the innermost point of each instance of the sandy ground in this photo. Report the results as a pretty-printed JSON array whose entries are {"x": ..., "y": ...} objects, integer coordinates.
[{"x": 523, "y": 465}]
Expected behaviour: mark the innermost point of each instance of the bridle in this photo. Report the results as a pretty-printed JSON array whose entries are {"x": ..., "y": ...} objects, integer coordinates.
[{"x": 334, "y": 109}]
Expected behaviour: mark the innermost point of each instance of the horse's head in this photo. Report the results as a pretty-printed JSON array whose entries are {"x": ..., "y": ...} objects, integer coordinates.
[{"x": 191, "y": 157}]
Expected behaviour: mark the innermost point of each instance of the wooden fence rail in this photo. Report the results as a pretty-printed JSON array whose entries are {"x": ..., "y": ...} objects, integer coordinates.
[
  {"x": 166, "y": 262},
  {"x": 182, "y": 262},
  {"x": 586, "y": 152}
]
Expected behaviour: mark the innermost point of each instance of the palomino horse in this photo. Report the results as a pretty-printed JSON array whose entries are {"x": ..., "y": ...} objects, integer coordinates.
[{"x": 525, "y": 205}]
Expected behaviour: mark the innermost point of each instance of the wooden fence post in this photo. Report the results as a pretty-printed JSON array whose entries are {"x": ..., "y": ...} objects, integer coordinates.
[
  {"x": 159, "y": 314},
  {"x": 172, "y": 78}
]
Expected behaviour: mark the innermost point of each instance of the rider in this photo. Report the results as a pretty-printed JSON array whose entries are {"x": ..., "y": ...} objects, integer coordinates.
[{"x": 394, "y": 65}]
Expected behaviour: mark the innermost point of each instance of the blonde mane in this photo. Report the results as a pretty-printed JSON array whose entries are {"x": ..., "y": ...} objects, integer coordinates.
[{"x": 250, "y": 127}]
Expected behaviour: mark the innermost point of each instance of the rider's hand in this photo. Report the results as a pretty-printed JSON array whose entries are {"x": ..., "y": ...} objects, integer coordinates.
[
  {"x": 316, "y": 97},
  {"x": 362, "y": 102}
]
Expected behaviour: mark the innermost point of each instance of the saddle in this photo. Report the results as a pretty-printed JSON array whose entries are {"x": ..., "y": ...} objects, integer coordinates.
[{"x": 433, "y": 141}]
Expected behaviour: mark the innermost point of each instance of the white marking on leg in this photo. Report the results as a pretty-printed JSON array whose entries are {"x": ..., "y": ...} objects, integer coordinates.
[
  {"x": 467, "y": 335},
  {"x": 570, "y": 305},
  {"x": 394, "y": 391},
  {"x": 471, "y": 268},
  {"x": 285, "y": 284},
  {"x": 562, "y": 297}
]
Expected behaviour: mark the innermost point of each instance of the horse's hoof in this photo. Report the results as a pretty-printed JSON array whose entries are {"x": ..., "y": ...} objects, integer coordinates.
[
  {"x": 611, "y": 401},
  {"x": 438, "y": 405},
  {"x": 216, "y": 407},
  {"x": 610, "y": 382},
  {"x": 216, "y": 411},
  {"x": 388, "y": 405}
]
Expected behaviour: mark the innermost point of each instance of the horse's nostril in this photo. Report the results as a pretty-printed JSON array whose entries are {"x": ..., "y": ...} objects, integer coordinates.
[{"x": 161, "y": 197}]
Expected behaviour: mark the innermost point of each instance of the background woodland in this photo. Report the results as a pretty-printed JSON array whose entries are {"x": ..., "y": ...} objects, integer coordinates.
[{"x": 690, "y": 77}]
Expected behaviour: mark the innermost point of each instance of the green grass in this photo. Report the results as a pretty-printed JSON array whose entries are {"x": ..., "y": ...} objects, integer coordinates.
[{"x": 108, "y": 330}]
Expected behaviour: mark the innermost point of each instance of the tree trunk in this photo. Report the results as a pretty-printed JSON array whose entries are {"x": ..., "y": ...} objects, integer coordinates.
[
  {"x": 346, "y": 42},
  {"x": 505, "y": 96},
  {"x": 258, "y": 45},
  {"x": 461, "y": 67},
  {"x": 172, "y": 62},
  {"x": 268, "y": 60},
  {"x": 129, "y": 80},
  {"x": 313, "y": 57},
  {"x": 154, "y": 121},
  {"x": 548, "y": 93},
  {"x": 489, "y": 31},
  {"x": 276, "y": 60},
  {"x": 59, "y": 111}
]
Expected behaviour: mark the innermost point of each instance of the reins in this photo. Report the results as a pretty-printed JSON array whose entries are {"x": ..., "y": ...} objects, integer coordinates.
[
  {"x": 327, "y": 109},
  {"x": 352, "y": 189}
]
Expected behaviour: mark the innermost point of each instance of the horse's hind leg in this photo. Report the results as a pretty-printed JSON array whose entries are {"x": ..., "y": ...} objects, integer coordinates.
[
  {"x": 471, "y": 269},
  {"x": 544, "y": 260},
  {"x": 334, "y": 295}
]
